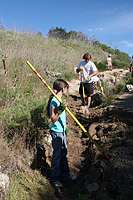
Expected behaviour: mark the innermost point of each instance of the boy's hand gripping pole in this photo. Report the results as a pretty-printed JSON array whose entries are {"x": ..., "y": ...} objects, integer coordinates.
[{"x": 69, "y": 112}]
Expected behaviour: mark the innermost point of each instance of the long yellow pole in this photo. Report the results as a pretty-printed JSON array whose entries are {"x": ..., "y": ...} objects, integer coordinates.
[
  {"x": 69, "y": 112},
  {"x": 83, "y": 86}
]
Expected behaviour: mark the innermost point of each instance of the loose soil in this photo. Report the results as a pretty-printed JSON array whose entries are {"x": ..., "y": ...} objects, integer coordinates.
[{"x": 99, "y": 178}]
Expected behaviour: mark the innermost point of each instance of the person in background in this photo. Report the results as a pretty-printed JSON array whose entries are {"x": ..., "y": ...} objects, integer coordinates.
[
  {"x": 58, "y": 131},
  {"x": 89, "y": 70},
  {"x": 109, "y": 62},
  {"x": 131, "y": 66}
]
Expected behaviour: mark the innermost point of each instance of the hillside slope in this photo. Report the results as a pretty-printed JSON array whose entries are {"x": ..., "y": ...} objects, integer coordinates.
[{"x": 24, "y": 133}]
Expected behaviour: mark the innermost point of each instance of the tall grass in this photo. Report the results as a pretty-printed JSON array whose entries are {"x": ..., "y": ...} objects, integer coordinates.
[
  {"x": 28, "y": 184},
  {"x": 57, "y": 55}
]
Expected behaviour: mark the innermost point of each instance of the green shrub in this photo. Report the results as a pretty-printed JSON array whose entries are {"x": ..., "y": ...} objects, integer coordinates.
[
  {"x": 101, "y": 66},
  {"x": 83, "y": 197},
  {"x": 109, "y": 94},
  {"x": 129, "y": 79},
  {"x": 27, "y": 112},
  {"x": 121, "y": 56},
  {"x": 69, "y": 76},
  {"x": 27, "y": 184},
  {"x": 119, "y": 64},
  {"x": 120, "y": 87}
]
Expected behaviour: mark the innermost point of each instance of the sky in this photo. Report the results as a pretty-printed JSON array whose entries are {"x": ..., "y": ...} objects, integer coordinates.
[{"x": 109, "y": 22}]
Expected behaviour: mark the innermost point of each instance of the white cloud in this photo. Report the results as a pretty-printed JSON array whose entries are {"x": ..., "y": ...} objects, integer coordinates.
[
  {"x": 96, "y": 29},
  {"x": 127, "y": 43},
  {"x": 89, "y": 29},
  {"x": 123, "y": 23},
  {"x": 100, "y": 29}
]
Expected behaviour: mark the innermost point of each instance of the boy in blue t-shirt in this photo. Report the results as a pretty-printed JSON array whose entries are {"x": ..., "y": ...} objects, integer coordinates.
[{"x": 56, "y": 111}]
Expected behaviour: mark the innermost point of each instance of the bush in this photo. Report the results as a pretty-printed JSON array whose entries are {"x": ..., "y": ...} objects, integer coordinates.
[
  {"x": 109, "y": 94},
  {"x": 120, "y": 87},
  {"x": 101, "y": 66},
  {"x": 119, "y": 64},
  {"x": 129, "y": 79},
  {"x": 27, "y": 112},
  {"x": 69, "y": 76}
]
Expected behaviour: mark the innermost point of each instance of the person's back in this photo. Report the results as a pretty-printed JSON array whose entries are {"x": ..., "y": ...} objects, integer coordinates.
[
  {"x": 131, "y": 60},
  {"x": 131, "y": 66},
  {"x": 109, "y": 62}
]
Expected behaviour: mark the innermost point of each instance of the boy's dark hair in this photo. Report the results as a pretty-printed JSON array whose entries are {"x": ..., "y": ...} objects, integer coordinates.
[
  {"x": 58, "y": 85},
  {"x": 85, "y": 56}
]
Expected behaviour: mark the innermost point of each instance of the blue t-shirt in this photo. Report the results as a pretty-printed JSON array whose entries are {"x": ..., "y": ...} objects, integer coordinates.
[{"x": 60, "y": 124}]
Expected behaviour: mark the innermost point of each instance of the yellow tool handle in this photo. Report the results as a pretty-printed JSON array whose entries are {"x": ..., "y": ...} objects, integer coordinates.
[
  {"x": 99, "y": 90},
  {"x": 83, "y": 84}
]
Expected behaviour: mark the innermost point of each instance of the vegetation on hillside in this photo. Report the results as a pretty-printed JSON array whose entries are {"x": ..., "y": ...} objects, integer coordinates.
[{"x": 56, "y": 53}]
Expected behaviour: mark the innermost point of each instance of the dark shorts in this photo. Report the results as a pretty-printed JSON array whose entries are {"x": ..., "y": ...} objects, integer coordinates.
[{"x": 88, "y": 87}]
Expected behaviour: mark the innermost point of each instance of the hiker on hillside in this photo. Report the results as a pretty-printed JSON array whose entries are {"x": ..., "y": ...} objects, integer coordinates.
[
  {"x": 131, "y": 66},
  {"x": 89, "y": 70},
  {"x": 58, "y": 131},
  {"x": 109, "y": 62}
]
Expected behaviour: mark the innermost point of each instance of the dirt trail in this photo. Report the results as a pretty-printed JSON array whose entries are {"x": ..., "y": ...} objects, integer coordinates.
[
  {"x": 98, "y": 178},
  {"x": 111, "y": 127},
  {"x": 125, "y": 101}
]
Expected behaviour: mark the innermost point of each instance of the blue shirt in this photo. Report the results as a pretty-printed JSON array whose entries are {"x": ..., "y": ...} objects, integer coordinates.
[{"x": 60, "y": 124}]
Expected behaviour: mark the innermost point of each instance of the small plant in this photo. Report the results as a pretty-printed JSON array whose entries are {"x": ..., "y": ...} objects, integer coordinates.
[
  {"x": 30, "y": 185},
  {"x": 129, "y": 79},
  {"x": 83, "y": 197},
  {"x": 109, "y": 94},
  {"x": 69, "y": 76},
  {"x": 120, "y": 88},
  {"x": 27, "y": 112},
  {"x": 101, "y": 66}
]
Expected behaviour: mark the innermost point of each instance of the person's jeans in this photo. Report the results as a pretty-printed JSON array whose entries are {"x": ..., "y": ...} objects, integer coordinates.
[{"x": 59, "y": 164}]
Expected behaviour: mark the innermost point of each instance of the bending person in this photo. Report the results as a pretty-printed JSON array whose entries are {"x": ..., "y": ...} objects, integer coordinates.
[{"x": 97, "y": 82}]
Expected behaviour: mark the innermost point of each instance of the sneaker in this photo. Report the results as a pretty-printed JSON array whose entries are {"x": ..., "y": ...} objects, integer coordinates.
[
  {"x": 72, "y": 177},
  {"x": 57, "y": 184}
]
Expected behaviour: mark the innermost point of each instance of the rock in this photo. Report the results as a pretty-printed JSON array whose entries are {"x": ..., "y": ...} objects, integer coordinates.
[
  {"x": 53, "y": 74},
  {"x": 107, "y": 77},
  {"x": 129, "y": 87},
  {"x": 4, "y": 181},
  {"x": 48, "y": 139},
  {"x": 93, "y": 187}
]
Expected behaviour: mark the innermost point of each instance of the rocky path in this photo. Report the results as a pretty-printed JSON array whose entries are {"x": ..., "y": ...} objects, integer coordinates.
[
  {"x": 99, "y": 178},
  {"x": 111, "y": 127}
]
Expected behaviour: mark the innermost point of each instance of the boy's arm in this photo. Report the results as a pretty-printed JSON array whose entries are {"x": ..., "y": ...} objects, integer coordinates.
[{"x": 54, "y": 115}]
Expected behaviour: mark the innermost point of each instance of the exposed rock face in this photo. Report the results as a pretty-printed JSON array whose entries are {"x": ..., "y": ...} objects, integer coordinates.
[{"x": 114, "y": 76}]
